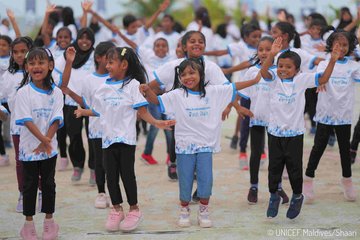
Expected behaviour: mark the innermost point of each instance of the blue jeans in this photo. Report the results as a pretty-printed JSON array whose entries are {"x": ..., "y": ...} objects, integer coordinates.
[
  {"x": 153, "y": 131},
  {"x": 187, "y": 164}
]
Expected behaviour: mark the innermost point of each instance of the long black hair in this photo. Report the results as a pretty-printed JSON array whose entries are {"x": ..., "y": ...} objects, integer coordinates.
[
  {"x": 255, "y": 59},
  {"x": 324, "y": 27},
  {"x": 135, "y": 69},
  {"x": 101, "y": 50},
  {"x": 336, "y": 34},
  {"x": 81, "y": 56},
  {"x": 197, "y": 66},
  {"x": 288, "y": 28},
  {"x": 203, "y": 14},
  {"x": 39, "y": 53},
  {"x": 13, "y": 66}
]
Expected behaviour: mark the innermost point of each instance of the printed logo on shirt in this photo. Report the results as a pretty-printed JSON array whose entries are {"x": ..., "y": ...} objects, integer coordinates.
[
  {"x": 262, "y": 87},
  {"x": 51, "y": 101},
  {"x": 340, "y": 81},
  {"x": 198, "y": 112},
  {"x": 283, "y": 98},
  {"x": 113, "y": 101},
  {"x": 42, "y": 112}
]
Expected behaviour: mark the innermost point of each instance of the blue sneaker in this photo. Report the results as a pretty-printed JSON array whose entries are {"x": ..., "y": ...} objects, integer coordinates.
[
  {"x": 332, "y": 140},
  {"x": 295, "y": 206},
  {"x": 274, "y": 203}
]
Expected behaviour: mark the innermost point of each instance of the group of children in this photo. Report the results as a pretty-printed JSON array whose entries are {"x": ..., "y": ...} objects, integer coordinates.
[{"x": 115, "y": 83}]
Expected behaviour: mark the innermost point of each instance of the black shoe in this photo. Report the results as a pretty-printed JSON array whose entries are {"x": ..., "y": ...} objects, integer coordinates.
[
  {"x": 172, "y": 172},
  {"x": 274, "y": 203},
  {"x": 234, "y": 142},
  {"x": 282, "y": 194},
  {"x": 352, "y": 156},
  {"x": 252, "y": 195},
  {"x": 195, "y": 197},
  {"x": 295, "y": 206}
]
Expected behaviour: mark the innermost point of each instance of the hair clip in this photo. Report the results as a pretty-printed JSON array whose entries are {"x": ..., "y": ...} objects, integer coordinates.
[{"x": 123, "y": 52}]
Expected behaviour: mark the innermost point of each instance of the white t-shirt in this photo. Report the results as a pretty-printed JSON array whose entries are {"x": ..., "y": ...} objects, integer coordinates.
[
  {"x": 151, "y": 61},
  {"x": 11, "y": 83},
  {"x": 198, "y": 120},
  {"x": 42, "y": 108},
  {"x": 56, "y": 51},
  {"x": 4, "y": 64},
  {"x": 71, "y": 27},
  {"x": 287, "y": 104},
  {"x": 165, "y": 75},
  {"x": 222, "y": 43},
  {"x": 93, "y": 82},
  {"x": 76, "y": 78},
  {"x": 117, "y": 107},
  {"x": 335, "y": 105},
  {"x": 259, "y": 94},
  {"x": 309, "y": 44},
  {"x": 138, "y": 38},
  {"x": 172, "y": 39},
  {"x": 307, "y": 59}
]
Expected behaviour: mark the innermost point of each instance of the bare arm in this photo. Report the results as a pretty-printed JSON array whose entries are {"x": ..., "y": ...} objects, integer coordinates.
[
  {"x": 216, "y": 53},
  {"x": 78, "y": 99},
  {"x": 275, "y": 48},
  {"x": 239, "y": 67},
  {"x": 148, "y": 93},
  {"x": 335, "y": 53},
  {"x": 132, "y": 44},
  {"x": 245, "y": 84},
  {"x": 12, "y": 19},
  {"x": 163, "y": 124},
  {"x": 155, "y": 87},
  {"x": 45, "y": 36},
  {"x": 3, "y": 116},
  {"x": 86, "y": 5},
  {"x": 163, "y": 6},
  {"x": 80, "y": 112}
]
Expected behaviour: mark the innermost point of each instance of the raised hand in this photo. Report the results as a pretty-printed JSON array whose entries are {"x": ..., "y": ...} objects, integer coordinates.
[
  {"x": 335, "y": 52},
  {"x": 143, "y": 88},
  {"x": 276, "y": 46},
  {"x": 70, "y": 54},
  {"x": 86, "y": 5},
  {"x": 165, "y": 4},
  {"x": 10, "y": 14},
  {"x": 50, "y": 8}
]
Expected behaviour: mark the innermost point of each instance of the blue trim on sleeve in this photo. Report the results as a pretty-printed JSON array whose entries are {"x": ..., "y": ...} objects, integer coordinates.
[
  {"x": 5, "y": 111},
  {"x": 229, "y": 51},
  {"x": 157, "y": 78},
  {"x": 317, "y": 76},
  {"x": 234, "y": 92},
  {"x": 161, "y": 104},
  {"x": 138, "y": 105},
  {"x": 85, "y": 104},
  {"x": 61, "y": 76},
  {"x": 312, "y": 65},
  {"x": 95, "y": 113},
  {"x": 61, "y": 121},
  {"x": 357, "y": 80},
  {"x": 243, "y": 96},
  {"x": 21, "y": 122}
]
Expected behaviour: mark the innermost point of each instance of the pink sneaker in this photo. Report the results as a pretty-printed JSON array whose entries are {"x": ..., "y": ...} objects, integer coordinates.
[
  {"x": 28, "y": 231},
  {"x": 4, "y": 160},
  {"x": 308, "y": 189},
  {"x": 243, "y": 161},
  {"x": 113, "y": 220},
  {"x": 51, "y": 230},
  {"x": 131, "y": 221},
  {"x": 63, "y": 163},
  {"x": 349, "y": 190}
]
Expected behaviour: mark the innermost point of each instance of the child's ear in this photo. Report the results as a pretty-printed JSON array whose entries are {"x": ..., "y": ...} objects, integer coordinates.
[
  {"x": 124, "y": 64},
  {"x": 51, "y": 65}
]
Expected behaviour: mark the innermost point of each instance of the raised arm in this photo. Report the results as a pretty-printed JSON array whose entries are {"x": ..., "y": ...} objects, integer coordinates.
[
  {"x": 239, "y": 67},
  {"x": 12, "y": 19},
  {"x": 216, "y": 53},
  {"x": 163, "y": 6},
  {"x": 245, "y": 84},
  {"x": 335, "y": 54},
  {"x": 86, "y": 6},
  {"x": 45, "y": 36},
  {"x": 70, "y": 56},
  {"x": 275, "y": 49}
]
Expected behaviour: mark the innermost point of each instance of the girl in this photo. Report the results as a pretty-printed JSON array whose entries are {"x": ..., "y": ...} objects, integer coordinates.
[
  {"x": 117, "y": 101},
  {"x": 38, "y": 107},
  {"x": 259, "y": 95},
  {"x": 11, "y": 81},
  {"x": 334, "y": 111},
  {"x": 82, "y": 65},
  {"x": 93, "y": 81},
  {"x": 5, "y": 43},
  {"x": 286, "y": 124},
  {"x": 197, "y": 109}
]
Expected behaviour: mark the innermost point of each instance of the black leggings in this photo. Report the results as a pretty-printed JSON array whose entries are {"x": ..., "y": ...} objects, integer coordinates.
[
  {"x": 257, "y": 142},
  {"x": 356, "y": 136}
]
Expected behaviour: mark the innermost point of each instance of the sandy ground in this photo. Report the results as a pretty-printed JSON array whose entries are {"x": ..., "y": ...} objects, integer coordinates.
[{"x": 329, "y": 217}]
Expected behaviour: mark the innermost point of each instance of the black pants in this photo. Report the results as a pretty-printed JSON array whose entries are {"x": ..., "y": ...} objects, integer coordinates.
[
  {"x": 61, "y": 138},
  {"x": 257, "y": 142},
  {"x": 99, "y": 166},
  {"x": 2, "y": 145},
  {"x": 32, "y": 170},
  {"x": 119, "y": 160},
  {"x": 285, "y": 151},
  {"x": 310, "y": 104},
  {"x": 356, "y": 136},
  {"x": 323, "y": 131},
  {"x": 172, "y": 146},
  {"x": 76, "y": 147},
  {"x": 244, "y": 130}
]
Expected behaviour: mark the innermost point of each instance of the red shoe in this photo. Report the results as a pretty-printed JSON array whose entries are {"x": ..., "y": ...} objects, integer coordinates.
[
  {"x": 243, "y": 161},
  {"x": 168, "y": 160},
  {"x": 148, "y": 159}
]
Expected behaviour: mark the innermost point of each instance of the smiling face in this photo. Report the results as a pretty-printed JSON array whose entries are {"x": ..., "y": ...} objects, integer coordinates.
[
  {"x": 116, "y": 68},
  {"x": 4, "y": 48},
  {"x": 286, "y": 68},
  {"x": 38, "y": 68},
  {"x": 343, "y": 44},
  {"x": 195, "y": 45},
  {"x": 63, "y": 39},
  {"x": 84, "y": 42},
  {"x": 190, "y": 78},
  {"x": 161, "y": 48},
  {"x": 19, "y": 51},
  {"x": 263, "y": 50},
  {"x": 253, "y": 38}
]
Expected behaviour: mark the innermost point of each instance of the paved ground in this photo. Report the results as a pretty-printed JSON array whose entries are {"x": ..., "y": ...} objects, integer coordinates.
[{"x": 330, "y": 217}]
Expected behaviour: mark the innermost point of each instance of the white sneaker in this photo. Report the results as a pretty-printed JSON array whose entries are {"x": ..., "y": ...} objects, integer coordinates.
[
  {"x": 4, "y": 160},
  {"x": 63, "y": 163},
  {"x": 184, "y": 217},
  {"x": 348, "y": 188},
  {"x": 308, "y": 189},
  {"x": 204, "y": 216},
  {"x": 101, "y": 201}
]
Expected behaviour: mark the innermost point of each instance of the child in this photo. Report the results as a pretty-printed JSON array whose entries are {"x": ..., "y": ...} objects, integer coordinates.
[
  {"x": 286, "y": 124},
  {"x": 259, "y": 95},
  {"x": 38, "y": 107},
  {"x": 117, "y": 101},
  {"x": 81, "y": 66},
  {"x": 334, "y": 111},
  {"x": 197, "y": 109},
  {"x": 93, "y": 81},
  {"x": 10, "y": 83}
]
